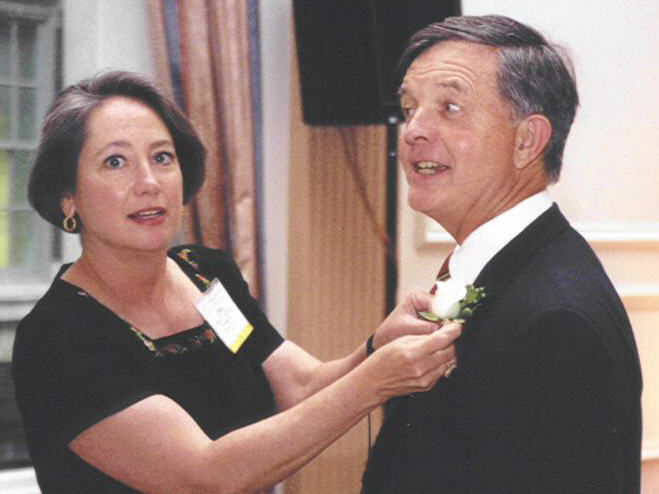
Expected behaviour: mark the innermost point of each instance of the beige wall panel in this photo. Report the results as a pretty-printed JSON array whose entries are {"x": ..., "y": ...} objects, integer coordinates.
[
  {"x": 650, "y": 477},
  {"x": 646, "y": 330},
  {"x": 336, "y": 267}
]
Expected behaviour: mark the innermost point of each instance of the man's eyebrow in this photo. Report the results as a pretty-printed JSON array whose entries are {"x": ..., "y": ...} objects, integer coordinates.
[{"x": 452, "y": 84}]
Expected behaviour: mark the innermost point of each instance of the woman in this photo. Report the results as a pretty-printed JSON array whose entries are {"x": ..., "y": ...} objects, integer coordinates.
[{"x": 122, "y": 384}]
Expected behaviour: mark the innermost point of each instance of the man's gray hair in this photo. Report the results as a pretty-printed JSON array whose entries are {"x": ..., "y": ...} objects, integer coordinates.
[{"x": 534, "y": 75}]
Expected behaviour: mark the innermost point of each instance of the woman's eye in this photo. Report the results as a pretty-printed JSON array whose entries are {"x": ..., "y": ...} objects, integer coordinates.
[
  {"x": 164, "y": 158},
  {"x": 115, "y": 162}
]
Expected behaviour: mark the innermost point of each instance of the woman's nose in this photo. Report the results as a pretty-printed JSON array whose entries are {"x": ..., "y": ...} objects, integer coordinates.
[{"x": 146, "y": 181}]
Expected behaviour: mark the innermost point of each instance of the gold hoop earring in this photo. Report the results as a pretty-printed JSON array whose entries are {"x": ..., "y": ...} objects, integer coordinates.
[{"x": 69, "y": 224}]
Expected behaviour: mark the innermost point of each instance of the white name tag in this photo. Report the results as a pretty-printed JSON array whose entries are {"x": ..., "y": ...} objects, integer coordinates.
[{"x": 221, "y": 312}]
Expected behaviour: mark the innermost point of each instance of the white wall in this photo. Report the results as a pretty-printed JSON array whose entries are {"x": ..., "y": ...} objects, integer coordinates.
[
  {"x": 613, "y": 45},
  {"x": 276, "y": 46},
  {"x": 103, "y": 35}
]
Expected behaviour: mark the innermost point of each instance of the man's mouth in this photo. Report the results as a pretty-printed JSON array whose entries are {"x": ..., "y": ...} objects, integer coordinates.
[
  {"x": 429, "y": 167},
  {"x": 146, "y": 214}
]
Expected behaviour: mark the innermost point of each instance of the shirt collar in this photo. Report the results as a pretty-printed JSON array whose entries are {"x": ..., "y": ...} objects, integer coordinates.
[{"x": 469, "y": 258}]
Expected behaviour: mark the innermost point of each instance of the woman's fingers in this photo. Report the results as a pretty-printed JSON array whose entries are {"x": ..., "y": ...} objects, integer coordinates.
[
  {"x": 414, "y": 363},
  {"x": 435, "y": 372},
  {"x": 405, "y": 320},
  {"x": 445, "y": 335},
  {"x": 436, "y": 366},
  {"x": 417, "y": 300}
]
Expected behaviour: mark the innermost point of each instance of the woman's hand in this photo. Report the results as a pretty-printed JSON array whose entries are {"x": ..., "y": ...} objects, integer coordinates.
[
  {"x": 411, "y": 363},
  {"x": 404, "y": 319}
]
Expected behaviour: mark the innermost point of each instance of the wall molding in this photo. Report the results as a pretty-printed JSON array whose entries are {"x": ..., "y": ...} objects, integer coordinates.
[
  {"x": 639, "y": 298},
  {"x": 19, "y": 481},
  {"x": 630, "y": 235},
  {"x": 650, "y": 451},
  {"x": 18, "y": 299}
]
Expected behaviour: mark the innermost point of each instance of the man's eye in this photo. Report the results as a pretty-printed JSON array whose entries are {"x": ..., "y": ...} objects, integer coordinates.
[
  {"x": 451, "y": 108},
  {"x": 115, "y": 162},
  {"x": 408, "y": 112}
]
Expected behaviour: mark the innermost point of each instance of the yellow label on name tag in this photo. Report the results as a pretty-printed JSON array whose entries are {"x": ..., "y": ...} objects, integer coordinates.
[
  {"x": 221, "y": 312},
  {"x": 244, "y": 334}
]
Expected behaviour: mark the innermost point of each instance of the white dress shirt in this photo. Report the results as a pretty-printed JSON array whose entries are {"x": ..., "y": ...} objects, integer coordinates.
[{"x": 469, "y": 258}]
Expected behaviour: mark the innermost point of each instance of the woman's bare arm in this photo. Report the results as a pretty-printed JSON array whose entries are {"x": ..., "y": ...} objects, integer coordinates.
[
  {"x": 155, "y": 446},
  {"x": 294, "y": 374}
]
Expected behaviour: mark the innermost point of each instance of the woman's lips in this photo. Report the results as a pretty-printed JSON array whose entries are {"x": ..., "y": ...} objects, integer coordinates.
[{"x": 149, "y": 215}]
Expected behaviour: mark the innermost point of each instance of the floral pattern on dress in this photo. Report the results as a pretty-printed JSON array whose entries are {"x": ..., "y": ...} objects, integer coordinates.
[
  {"x": 186, "y": 341},
  {"x": 145, "y": 339},
  {"x": 188, "y": 256},
  {"x": 205, "y": 281}
]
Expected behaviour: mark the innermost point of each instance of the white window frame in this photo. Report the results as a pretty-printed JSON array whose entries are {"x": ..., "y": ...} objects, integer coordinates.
[
  {"x": 19, "y": 481},
  {"x": 20, "y": 288}
]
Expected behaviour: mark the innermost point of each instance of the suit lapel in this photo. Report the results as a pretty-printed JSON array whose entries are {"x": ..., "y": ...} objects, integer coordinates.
[
  {"x": 506, "y": 265},
  {"x": 510, "y": 260}
]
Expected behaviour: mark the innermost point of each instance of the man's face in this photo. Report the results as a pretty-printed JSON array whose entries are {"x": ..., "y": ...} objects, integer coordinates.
[{"x": 456, "y": 146}]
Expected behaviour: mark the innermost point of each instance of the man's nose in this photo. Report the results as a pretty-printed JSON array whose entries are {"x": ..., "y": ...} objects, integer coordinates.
[{"x": 417, "y": 128}]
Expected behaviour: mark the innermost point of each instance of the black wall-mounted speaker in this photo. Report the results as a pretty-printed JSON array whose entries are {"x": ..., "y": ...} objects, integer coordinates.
[{"x": 348, "y": 51}]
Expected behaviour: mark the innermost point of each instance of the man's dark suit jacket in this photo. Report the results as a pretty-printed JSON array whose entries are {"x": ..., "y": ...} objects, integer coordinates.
[{"x": 546, "y": 398}]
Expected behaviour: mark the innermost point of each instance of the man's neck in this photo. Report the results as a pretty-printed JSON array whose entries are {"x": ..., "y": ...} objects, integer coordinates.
[
  {"x": 482, "y": 244},
  {"x": 460, "y": 228}
]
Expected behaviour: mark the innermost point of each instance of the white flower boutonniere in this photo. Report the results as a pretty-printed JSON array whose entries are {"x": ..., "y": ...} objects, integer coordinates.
[{"x": 453, "y": 301}]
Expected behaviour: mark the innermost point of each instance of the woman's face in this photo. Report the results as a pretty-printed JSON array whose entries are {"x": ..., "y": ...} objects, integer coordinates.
[{"x": 129, "y": 183}]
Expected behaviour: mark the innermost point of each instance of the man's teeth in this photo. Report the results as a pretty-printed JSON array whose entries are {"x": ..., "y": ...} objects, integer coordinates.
[{"x": 429, "y": 167}]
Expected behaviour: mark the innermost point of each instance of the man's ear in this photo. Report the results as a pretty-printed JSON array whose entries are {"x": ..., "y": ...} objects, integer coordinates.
[
  {"x": 531, "y": 140},
  {"x": 67, "y": 205}
]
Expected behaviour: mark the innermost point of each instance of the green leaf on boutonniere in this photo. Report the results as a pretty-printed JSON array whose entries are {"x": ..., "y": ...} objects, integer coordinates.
[{"x": 429, "y": 316}]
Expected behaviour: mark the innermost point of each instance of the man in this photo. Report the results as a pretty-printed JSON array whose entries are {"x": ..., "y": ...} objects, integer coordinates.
[{"x": 546, "y": 396}]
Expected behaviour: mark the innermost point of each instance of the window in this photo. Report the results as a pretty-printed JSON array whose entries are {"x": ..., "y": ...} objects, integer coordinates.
[
  {"x": 29, "y": 68},
  {"x": 28, "y": 51}
]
